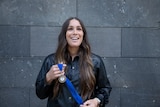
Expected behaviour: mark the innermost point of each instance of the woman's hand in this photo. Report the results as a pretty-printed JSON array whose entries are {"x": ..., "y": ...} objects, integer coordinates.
[
  {"x": 91, "y": 103},
  {"x": 54, "y": 73}
]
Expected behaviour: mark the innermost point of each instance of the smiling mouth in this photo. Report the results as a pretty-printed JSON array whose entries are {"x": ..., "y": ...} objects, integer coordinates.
[{"x": 74, "y": 38}]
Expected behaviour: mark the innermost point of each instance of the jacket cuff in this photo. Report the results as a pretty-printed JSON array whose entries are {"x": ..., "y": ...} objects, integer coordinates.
[{"x": 101, "y": 98}]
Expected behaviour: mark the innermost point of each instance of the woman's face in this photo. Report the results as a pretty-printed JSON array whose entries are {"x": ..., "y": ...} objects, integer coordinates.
[{"x": 74, "y": 34}]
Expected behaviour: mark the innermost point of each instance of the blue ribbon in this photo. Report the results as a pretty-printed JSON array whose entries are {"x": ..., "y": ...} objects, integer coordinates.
[
  {"x": 60, "y": 66},
  {"x": 71, "y": 88},
  {"x": 73, "y": 92}
]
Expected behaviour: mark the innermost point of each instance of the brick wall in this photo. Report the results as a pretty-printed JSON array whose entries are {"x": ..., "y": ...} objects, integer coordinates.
[{"x": 125, "y": 33}]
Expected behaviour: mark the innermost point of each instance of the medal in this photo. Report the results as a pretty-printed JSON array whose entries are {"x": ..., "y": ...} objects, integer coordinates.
[{"x": 61, "y": 79}]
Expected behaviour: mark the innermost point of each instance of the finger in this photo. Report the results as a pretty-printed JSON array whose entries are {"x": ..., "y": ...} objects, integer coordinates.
[
  {"x": 54, "y": 68},
  {"x": 82, "y": 106},
  {"x": 87, "y": 103},
  {"x": 57, "y": 74}
]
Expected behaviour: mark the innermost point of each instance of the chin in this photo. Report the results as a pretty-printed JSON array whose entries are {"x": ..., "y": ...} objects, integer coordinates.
[{"x": 75, "y": 46}]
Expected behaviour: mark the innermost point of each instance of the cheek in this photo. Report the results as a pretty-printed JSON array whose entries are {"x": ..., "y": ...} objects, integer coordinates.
[
  {"x": 67, "y": 36},
  {"x": 67, "y": 39},
  {"x": 82, "y": 37}
]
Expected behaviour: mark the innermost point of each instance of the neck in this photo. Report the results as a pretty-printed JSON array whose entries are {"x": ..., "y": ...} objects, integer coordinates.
[{"x": 73, "y": 52}]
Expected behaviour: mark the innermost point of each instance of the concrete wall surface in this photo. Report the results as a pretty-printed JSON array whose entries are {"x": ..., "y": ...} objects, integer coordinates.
[{"x": 125, "y": 33}]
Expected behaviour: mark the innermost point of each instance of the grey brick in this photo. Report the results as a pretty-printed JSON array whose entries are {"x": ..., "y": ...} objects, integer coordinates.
[
  {"x": 114, "y": 99},
  {"x": 105, "y": 41},
  {"x": 44, "y": 40},
  {"x": 14, "y": 41},
  {"x": 33, "y": 12},
  {"x": 140, "y": 97},
  {"x": 35, "y": 101},
  {"x": 19, "y": 72},
  {"x": 14, "y": 97},
  {"x": 119, "y": 13},
  {"x": 133, "y": 72},
  {"x": 140, "y": 42}
]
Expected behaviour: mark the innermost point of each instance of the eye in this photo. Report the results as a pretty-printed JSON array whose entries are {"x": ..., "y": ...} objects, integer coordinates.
[
  {"x": 79, "y": 28},
  {"x": 70, "y": 28}
]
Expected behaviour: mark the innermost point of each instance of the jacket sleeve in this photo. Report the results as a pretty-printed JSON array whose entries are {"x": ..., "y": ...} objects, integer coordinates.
[
  {"x": 42, "y": 89},
  {"x": 103, "y": 87}
]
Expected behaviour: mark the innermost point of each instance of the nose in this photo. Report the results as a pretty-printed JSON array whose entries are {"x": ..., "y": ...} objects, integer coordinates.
[{"x": 75, "y": 31}]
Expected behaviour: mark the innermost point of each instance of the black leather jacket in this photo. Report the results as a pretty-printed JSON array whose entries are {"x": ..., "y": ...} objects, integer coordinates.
[{"x": 64, "y": 98}]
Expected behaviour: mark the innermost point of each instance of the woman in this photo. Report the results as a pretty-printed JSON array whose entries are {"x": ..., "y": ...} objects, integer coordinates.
[{"x": 85, "y": 70}]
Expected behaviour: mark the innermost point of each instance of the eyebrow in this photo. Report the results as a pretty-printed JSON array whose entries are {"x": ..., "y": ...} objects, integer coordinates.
[{"x": 73, "y": 26}]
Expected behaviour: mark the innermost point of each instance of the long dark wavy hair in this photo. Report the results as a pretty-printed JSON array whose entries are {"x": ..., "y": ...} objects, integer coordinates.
[{"x": 87, "y": 78}]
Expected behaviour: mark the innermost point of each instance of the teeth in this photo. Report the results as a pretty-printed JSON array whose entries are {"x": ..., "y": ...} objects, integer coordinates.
[{"x": 74, "y": 38}]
